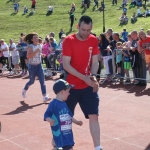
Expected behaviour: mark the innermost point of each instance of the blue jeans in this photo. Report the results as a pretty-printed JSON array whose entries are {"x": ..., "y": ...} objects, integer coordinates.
[{"x": 36, "y": 70}]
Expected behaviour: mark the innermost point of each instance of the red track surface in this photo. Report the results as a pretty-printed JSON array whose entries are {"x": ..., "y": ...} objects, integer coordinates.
[{"x": 124, "y": 117}]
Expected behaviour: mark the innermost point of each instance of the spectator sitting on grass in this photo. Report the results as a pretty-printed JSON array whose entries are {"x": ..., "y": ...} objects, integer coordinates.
[
  {"x": 25, "y": 10},
  {"x": 133, "y": 18},
  {"x": 139, "y": 3},
  {"x": 50, "y": 9},
  {"x": 133, "y": 3},
  {"x": 123, "y": 19},
  {"x": 124, "y": 3},
  {"x": 147, "y": 13},
  {"x": 124, "y": 10},
  {"x": 139, "y": 14}
]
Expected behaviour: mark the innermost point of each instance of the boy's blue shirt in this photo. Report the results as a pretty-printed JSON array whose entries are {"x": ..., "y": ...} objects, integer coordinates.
[{"x": 62, "y": 128}]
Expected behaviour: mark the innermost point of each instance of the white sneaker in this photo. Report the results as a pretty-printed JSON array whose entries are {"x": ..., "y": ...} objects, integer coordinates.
[
  {"x": 9, "y": 73},
  {"x": 4, "y": 67},
  {"x": 24, "y": 93},
  {"x": 46, "y": 98}
]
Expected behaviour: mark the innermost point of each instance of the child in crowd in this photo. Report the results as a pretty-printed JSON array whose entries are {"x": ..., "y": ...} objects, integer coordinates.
[
  {"x": 124, "y": 35},
  {"x": 119, "y": 57},
  {"x": 25, "y": 10},
  {"x": 16, "y": 7},
  {"x": 60, "y": 117},
  {"x": 127, "y": 61},
  {"x": 34, "y": 53},
  {"x": 127, "y": 65}
]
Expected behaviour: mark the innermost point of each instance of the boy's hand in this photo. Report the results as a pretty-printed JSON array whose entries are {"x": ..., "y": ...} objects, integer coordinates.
[
  {"x": 79, "y": 123},
  {"x": 51, "y": 122}
]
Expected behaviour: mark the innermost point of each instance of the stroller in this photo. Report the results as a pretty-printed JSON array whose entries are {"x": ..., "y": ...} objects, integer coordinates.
[{"x": 53, "y": 61}]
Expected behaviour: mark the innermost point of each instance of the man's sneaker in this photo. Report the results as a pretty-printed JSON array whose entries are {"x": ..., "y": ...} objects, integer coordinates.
[
  {"x": 127, "y": 82},
  {"x": 46, "y": 98},
  {"x": 24, "y": 93}
]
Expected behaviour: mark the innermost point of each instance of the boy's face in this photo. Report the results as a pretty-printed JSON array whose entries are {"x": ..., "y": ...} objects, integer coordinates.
[
  {"x": 118, "y": 46},
  {"x": 65, "y": 94}
]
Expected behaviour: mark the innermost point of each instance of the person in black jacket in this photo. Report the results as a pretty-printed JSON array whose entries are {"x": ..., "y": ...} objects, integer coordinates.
[{"x": 72, "y": 17}]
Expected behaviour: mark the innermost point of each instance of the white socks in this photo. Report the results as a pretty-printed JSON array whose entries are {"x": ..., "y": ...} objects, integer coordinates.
[{"x": 98, "y": 148}]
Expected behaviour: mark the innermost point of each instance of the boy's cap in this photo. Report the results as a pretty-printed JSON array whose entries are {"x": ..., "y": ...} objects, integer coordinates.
[{"x": 60, "y": 85}]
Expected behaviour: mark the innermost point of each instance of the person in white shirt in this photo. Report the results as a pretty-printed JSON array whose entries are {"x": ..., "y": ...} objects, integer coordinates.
[
  {"x": 5, "y": 50},
  {"x": 50, "y": 9},
  {"x": 15, "y": 56},
  {"x": 139, "y": 14}
]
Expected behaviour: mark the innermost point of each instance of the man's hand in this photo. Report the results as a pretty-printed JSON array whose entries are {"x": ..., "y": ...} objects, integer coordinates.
[
  {"x": 95, "y": 84},
  {"x": 88, "y": 81}
]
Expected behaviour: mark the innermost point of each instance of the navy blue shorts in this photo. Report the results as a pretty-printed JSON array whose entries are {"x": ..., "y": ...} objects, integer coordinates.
[
  {"x": 87, "y": 99},
  {"x": 67, "y": 147}
]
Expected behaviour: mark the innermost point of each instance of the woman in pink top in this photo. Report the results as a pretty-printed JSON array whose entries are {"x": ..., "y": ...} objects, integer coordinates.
[{"x": 46, "y": 52}]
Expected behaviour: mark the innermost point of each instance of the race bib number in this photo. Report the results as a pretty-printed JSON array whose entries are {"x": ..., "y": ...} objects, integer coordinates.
[
  {"x": 36, "y": 60},
  {"x": 65, "y": 122}
]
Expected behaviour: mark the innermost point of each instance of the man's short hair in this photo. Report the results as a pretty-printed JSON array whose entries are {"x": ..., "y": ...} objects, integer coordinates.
[{"x": 85, "y": 19}]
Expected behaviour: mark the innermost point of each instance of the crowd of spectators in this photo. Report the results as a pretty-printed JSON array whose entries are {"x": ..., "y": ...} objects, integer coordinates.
[
  {"x": 13, "y": 55},
  {"x": 125, "y": 52}
]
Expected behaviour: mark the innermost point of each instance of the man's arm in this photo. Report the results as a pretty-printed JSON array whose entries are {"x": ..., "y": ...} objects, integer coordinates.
[
  {"x": 94, "y": 65},
  {"x": 94, "y": 69},
  {"x": 71, "y": 70}
]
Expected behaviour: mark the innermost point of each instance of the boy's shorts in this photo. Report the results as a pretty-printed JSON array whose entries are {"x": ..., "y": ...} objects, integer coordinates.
[
  {"x": 67, "y": 147},
  {"x": 15, "y": 60},
  {"x": 147, "y": 58},
  {"x": 127, "y": 65},
  {"x": 119, "y": 64},
  {"x": 87, "y": 99}
]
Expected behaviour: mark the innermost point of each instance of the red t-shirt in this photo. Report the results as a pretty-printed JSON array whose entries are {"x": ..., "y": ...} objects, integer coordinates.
[
  {"x": 33, "y": 2},
  {"x": 81, "y": 55},
  {"x": 145, "y": 44}
]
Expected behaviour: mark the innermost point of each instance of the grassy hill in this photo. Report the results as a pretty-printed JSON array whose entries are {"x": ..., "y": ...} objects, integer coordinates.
[{"x": 11, "y": 25}]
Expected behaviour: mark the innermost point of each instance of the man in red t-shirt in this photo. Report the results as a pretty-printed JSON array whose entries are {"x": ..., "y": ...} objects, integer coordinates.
[
  {"x": 33, "y": 5},
  {"x": 144, "y": 46},
  {"x": 80, "y": 60}
]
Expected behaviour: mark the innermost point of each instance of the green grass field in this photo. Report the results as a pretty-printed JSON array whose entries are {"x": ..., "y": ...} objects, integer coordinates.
[{"x": 11, "y": 25}]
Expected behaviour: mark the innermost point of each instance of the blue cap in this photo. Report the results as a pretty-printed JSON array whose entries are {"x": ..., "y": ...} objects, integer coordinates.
[{"x": 60, "y": 85}]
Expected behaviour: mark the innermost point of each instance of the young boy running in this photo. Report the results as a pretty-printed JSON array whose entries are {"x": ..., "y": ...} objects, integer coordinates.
[{"x": 60, "y": 117}]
